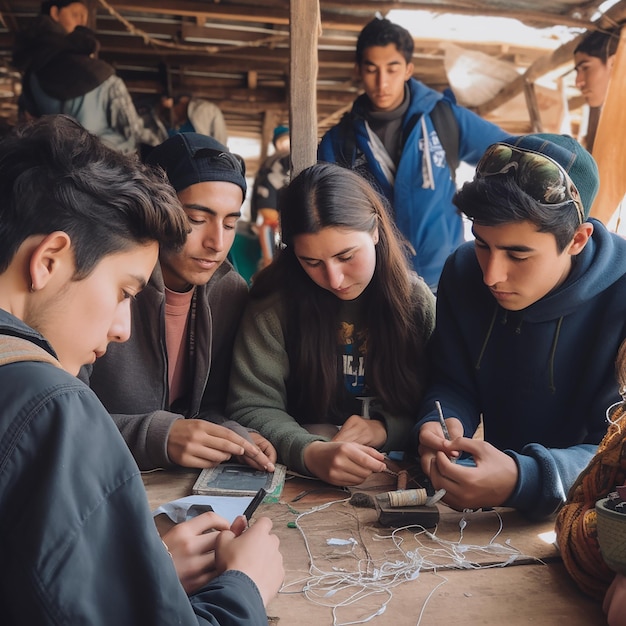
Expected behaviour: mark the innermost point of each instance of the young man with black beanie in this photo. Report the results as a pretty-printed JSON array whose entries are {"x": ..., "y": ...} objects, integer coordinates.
[{"x": 166, "y": 387}]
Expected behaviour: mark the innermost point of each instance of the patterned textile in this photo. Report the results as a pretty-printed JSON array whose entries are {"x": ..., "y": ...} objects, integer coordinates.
[{"x": 576, "y": 524}]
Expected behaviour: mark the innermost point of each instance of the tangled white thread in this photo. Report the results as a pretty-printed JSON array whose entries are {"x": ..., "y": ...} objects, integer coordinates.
[{"x": 401, "y": 563}]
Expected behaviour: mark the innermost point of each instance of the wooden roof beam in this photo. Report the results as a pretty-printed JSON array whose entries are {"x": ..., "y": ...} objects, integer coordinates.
[
  {"x": 561, "y": 56},
  {"x": 233, "y": 13}
]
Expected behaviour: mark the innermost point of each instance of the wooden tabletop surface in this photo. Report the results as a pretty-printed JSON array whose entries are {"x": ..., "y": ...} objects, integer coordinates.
[{"x": 470, "y": 583}]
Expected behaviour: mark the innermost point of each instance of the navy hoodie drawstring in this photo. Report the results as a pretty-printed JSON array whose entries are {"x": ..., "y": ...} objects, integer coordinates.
[
  {"x": 484, "y": 347},
  {"x": 553, "y": 352},
  {"x": 518, "y": 331}
]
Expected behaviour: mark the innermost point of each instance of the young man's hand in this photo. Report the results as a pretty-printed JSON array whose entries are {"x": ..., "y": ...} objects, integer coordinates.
[
  {"x": 199, "y": 443},
  {"x": 432, "y": 440},
  {"x": 260, "y": 461},
  {"x": 488, "y": 484},
  {"x": 614, "y": 604},
  {"x": 192, "y": 546},
  {"x": 255, "y": 553}
]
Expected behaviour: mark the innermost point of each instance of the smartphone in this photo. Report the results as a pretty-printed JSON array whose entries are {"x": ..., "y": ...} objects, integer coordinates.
[{"x": 254, "y": 503}]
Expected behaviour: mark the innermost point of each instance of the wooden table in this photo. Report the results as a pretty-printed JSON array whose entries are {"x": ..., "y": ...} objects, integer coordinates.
[{"x": 535, "y": 589}]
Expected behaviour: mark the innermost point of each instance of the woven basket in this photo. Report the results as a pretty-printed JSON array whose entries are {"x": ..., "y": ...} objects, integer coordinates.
[{"x": 612, "y": 536}]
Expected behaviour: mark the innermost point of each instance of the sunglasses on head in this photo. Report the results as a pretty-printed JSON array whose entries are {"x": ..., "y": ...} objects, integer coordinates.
[
  {"x": 542, "y": 178},
  {"x": 226, "y": 160}
]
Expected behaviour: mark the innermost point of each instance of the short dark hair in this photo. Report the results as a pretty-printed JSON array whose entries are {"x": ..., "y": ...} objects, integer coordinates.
[
  {"x": 60, "y": 4},
  {"x": 382, "y": 32},
  {"x": 55, "y": 175},
  {"x": 498, "y": 200},
  {"x": 600, "y": 43}
]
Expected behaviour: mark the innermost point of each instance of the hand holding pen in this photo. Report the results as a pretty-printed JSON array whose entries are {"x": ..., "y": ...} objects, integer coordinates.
[
  {"x": 444, "y": 427},
  {"x": 468, "y": 461}
]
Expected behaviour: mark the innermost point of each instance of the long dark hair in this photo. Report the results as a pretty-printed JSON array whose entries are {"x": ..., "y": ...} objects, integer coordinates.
[{"x": 326, "y": 195}]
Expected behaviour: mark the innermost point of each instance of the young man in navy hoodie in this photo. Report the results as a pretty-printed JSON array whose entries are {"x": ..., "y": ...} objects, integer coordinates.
[{"x": 530, "y": 317}]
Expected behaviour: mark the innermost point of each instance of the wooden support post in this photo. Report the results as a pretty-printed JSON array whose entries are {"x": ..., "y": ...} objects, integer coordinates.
[
  {"x": 92, "y": 6},
  {"x": 533, "y": 107},
  {"x": 304, "y": 29},
  {"x": 593, "y": 119},
  {"x": 608, "y": 149}
]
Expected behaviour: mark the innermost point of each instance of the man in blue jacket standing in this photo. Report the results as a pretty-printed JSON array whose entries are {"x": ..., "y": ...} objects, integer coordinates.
[
  {"x": 407, "y": 139},
  {"x": 530, "y": 318}
]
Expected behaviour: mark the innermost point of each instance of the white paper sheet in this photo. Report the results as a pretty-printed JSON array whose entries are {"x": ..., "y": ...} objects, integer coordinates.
[{"x": 226, "y": 506}]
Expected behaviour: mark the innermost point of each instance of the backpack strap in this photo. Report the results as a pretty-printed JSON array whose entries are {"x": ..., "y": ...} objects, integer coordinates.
[
  {"x": 447, "y": 128},
  {"x": 445, "y": 124},
  {"x": 15, "y": 349},
  {"x": 345, "y": 146}
]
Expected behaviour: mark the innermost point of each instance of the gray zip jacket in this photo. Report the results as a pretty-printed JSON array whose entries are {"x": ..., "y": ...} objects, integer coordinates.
[{"x": 78, "y": 543}]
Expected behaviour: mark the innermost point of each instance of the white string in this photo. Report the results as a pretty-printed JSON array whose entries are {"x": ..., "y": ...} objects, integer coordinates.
[
  {"x": 609, "y": 415},
  {"x": 428, "y": 597},
  {"x": 376, "y": 578}
]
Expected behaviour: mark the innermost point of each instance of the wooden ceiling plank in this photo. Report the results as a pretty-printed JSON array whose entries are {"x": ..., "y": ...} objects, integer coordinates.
[{"x": 231, "y": 12}]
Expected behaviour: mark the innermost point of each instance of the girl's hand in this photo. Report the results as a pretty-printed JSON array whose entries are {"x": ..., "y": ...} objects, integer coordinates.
[{"x": 365, "y": 431}]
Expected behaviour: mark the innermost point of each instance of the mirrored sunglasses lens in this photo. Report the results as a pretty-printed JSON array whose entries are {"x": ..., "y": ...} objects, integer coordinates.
[
  {"x": 495, "y": 160},
  {"x": 541, "y": 179}
]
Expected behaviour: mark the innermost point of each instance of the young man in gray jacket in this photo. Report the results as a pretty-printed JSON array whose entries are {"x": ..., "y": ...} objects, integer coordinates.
[
  {"x": 166, "y": 387},
  {"x": 80, "y": 228}
]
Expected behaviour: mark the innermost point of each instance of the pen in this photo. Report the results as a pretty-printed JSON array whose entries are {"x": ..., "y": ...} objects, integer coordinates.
[
  {"x": 442, "y": 421},
  {"x": 254, "y": 503}
]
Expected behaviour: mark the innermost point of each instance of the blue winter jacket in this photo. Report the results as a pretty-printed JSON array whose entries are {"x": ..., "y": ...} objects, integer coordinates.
[
  {"x": 542, "y": 377},
  {"x": 78, "y": 544},
  {"x": 421, "y": 196}
]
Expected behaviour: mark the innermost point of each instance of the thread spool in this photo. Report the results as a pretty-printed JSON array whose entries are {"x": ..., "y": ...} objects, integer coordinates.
[
  {"x": 407, "y": 497},
  {"x": 403, "y": 480}
]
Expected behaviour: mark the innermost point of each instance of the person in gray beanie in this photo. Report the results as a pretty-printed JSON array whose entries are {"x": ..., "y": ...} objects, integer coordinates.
[
  {"x": 166, "y": 387},
  {"x": 530, "y": 317}
]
